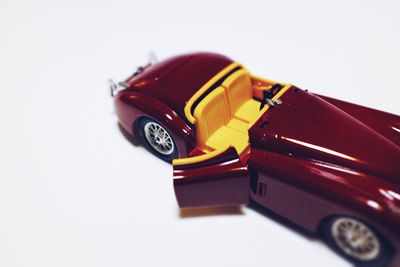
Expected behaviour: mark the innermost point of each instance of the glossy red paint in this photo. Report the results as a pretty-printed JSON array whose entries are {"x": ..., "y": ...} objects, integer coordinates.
[
  {"x": 311, "y": 157},
  {"x": 161, "y": 91},
  {"x": 387, "y": 124},
  {"x": 310, "y": 160},
  {"x": 307, "y": 192},
  {"x": 175, "y": 80},
  {"x": 132, "y": 106},
  {"x": 224, "y": 179},
  {"x": 309, "y": 127}
]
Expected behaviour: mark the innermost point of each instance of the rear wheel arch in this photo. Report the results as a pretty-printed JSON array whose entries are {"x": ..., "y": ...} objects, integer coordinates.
[
  {"x": 168, "y": 118},
  {"x": 175, "y": 127},
  {"x": 136, "y": 123},
  {"x": 152, "y": 133},
  {"x": 144, "y": 106}
]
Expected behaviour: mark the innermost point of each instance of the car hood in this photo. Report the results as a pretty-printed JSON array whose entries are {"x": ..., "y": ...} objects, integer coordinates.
[{"x": 309, "y": 127}]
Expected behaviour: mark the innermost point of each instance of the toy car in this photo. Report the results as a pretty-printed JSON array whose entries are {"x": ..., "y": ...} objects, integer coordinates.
[{"x": 328, "y": 166}]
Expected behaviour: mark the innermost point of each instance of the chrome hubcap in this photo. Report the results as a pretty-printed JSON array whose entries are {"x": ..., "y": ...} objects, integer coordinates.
[
  {"x": 159, "y": 138},
  {"x": 356, "y": 239}
]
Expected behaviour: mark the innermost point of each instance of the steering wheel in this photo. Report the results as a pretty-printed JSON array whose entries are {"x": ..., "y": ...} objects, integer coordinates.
[{"x": 269, "y": 94}]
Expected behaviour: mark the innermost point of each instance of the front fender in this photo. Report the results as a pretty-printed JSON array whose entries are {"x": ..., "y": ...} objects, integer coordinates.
[{"x": 386, "y": 124}]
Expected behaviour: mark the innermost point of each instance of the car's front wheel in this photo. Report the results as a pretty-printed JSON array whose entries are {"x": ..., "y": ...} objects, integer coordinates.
[
  {"x": 157, "y": 139},
  {"x": 357, "y": 241}
]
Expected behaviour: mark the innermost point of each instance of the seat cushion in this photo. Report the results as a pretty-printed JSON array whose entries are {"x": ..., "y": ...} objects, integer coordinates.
[
  {"x": 238, "y": 125},
  {"x": 225, "y": 137},
  {"x": 239, "y": 89},
  {"x": 249, "y": 111}
]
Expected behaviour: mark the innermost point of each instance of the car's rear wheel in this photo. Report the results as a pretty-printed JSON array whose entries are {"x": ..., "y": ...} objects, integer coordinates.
[
  {"x": 157, "y": 139},
  {"x": 357, "y": 241}
]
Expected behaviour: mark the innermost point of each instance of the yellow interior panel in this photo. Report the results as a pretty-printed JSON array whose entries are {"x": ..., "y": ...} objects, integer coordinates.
[
  {"x": 262, "y": 83},
  {"x": 238, "y": 125},
  {"x": 204, "y": 88},
  {"x": 191, "y": 160},
  {"x": 238, "y": 88},
  {"x": 224, "y": 116},
  {"x": 226, "y": 136},
  {"x": 249, "y": 111},
  {"x": 211, "y": 114},
  {"x": 215, "y": 127}
]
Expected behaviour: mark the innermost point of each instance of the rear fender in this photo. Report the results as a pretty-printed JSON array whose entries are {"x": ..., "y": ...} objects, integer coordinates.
[{"x": 132, "y": 106}]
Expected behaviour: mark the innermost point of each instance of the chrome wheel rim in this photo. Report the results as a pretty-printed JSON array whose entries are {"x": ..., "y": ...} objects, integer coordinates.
[
  {"x": 356, "y": 239},
  {"x": 158, "y": 138}
]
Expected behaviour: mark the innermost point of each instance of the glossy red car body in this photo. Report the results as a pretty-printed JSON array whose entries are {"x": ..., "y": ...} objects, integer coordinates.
[{"x": 312, "y": 157}]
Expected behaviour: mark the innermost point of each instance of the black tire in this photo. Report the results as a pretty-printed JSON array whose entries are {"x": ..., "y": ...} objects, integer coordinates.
[
  {"x": 151, "y": 146},
  {"x": 383, "y": 256}
]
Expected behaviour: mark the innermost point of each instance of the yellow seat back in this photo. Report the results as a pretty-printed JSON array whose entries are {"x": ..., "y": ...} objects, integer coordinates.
[
  {"x": 211, "y": 114},
  {"x": 239, "y": 89}
]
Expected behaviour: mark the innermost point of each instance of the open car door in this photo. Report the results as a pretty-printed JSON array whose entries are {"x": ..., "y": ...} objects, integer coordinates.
[{"x": 214, "y": 179}]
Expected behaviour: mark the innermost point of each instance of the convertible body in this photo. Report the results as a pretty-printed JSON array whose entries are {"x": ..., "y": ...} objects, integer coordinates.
[{"x": 307, "y": 158}]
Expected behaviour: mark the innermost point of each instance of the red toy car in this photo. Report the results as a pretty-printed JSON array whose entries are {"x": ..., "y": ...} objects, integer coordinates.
[{"x": 328, "y": 166}]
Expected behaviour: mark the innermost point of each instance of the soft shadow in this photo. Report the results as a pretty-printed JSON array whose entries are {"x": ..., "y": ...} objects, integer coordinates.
[
  {"x": 133, "y": 139},
  {"x": 211, "y": 211},
  {"x": 232, "y": 210},
  {"x": 314, "y": 237},
  {"x": 282, "y": 221}
]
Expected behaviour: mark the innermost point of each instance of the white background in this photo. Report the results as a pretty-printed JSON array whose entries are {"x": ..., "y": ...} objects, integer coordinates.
[{"x": 75, "y": 192}]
